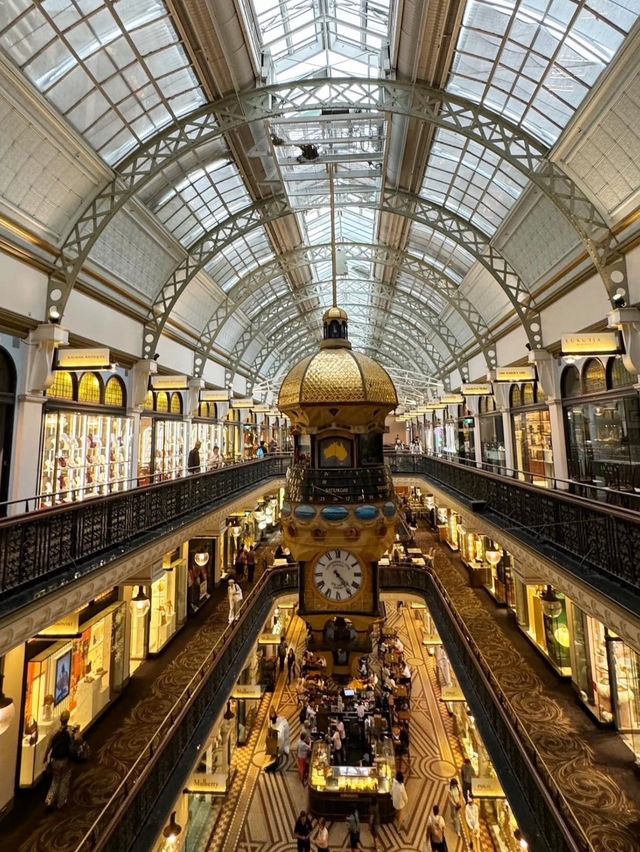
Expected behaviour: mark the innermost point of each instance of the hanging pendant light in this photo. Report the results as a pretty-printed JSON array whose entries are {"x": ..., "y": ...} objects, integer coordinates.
[
  {"x": 492, "y": 555},
  {"x": 201, "y": 558},
  {"x": 140, "y": 604},
  {"x": 7, "y": 709},
  {"x": 551, "y": 603},
  {"x": 171, "y": 831}
]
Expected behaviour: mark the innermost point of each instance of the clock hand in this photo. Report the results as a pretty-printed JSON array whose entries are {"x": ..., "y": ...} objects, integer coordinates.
[{"x": 344, "y": 582}]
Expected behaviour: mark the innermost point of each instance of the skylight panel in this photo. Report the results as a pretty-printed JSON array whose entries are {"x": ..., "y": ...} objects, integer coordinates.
[
  {"x": 534, "y": 62},
  {"x": 240, "y": 258},
  {"x": 118, "y": 72}
]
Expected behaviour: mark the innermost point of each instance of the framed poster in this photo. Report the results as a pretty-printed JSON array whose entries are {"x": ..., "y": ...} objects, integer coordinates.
[{"x": 63, "y": 677}]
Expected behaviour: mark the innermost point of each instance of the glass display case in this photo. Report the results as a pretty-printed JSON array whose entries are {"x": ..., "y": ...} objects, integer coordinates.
[
  {"x": 210, "y": 436},
  {"x": 534, "y": 453},
  {"x": 163, "y": 621},
  {"x": 333, "y": 790},
  {"x": 83, "y": 455},
  {"x": 163, "y": 449}
]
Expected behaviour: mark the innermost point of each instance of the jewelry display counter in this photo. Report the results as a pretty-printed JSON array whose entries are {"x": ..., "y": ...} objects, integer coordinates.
[{"x": 335, "y": 790}]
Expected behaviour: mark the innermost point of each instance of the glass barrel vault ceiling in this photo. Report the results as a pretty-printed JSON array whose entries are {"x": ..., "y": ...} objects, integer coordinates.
[{"x": 118, "y": 72}]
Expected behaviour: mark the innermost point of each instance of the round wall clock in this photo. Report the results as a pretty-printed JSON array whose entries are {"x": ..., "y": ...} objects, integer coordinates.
[{"x": 338, "y": 575}]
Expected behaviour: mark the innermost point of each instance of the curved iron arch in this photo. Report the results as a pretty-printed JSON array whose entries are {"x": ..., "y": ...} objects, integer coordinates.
[
  {"x": 414, "y": 100},
  {"x": 424, "y": 327},
  {"x": 418, "y": 269},
  {"x": 459, "y": 230}
]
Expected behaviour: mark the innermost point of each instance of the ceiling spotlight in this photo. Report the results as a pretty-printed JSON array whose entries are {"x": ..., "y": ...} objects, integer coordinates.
[
  {"x": 618, "y": 299},
  {"x": 54, "y": 315}
]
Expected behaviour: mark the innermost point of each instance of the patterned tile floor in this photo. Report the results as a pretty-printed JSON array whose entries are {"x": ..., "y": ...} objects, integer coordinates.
[
  {"x": 608, "y": 816},
  {"x": 259, "y": 814}
]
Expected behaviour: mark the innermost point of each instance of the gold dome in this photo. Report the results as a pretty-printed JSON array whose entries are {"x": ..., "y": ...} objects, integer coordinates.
[
  {"x": 338, "y": 376},
  {"x": 335, "y": 313}
]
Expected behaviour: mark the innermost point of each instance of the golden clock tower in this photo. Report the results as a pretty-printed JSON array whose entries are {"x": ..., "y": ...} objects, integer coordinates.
[{"x": 339, "y": 512}]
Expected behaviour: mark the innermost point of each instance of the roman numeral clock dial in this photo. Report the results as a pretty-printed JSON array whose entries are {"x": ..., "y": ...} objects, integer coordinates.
[{"x": 338, "y": 575}]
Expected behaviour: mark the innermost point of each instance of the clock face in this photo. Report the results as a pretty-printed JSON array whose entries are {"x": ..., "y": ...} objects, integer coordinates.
[{"x": 338, "y": 575}]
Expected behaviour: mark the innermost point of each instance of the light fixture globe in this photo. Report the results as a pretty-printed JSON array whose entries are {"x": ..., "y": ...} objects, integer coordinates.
[
  {"x": 7, "y": 709},
  {"x": 201, "y": 559},
  {"x": 493, "y": 555},
  {"x": 172, "y": 831},
  {"x": 140, "y": 603},
  {"x": 551, "y": 603}
]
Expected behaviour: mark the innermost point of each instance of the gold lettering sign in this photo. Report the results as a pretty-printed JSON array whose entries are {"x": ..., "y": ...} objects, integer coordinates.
[
  {"x": 242, "y": 403},
  {"x": 451, "y": 693},
  {"x": 516, "y": 374},
  {"x": 82, "y": 359},
  {"x": 479, "y": 389},
  {"x": 207, "y": 782},
  {"x": 452, "y": 399},
  {"x": 67, "y": 626},
  {"x": 590, "y": 343},
  {"x": 486, "y": 788},
  {"x": 178, "y": 382},
  {"x": 214, "y": 396},
  {"x": 247, "y": 690}
]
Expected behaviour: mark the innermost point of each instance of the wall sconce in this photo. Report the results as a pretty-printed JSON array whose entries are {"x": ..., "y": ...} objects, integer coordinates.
[
  {"x": 7, "y": 709},
  {"x": 235, "y": 530},
  {"x": 140, "y": 604},
  {"x": 171, "y": 831}
]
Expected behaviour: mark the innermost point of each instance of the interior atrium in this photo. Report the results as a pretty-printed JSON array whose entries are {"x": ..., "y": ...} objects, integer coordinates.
[{"x": 320, "y": 425}]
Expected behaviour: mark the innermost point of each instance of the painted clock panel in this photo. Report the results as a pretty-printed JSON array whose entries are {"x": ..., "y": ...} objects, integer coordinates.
[{"x": 338, "y": 575}]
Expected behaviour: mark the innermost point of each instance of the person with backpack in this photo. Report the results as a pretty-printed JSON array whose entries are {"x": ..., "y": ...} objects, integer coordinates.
[
  {"x": 58, "y": 756},
  {"x": 435, "y": 831}
]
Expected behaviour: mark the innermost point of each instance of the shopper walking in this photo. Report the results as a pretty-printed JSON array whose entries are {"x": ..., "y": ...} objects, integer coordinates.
[
  {"x": 59, "y": 750},
  {"x": 303, "y": 757},
  {"x": 193, "y": 460},
  {"x": 322, "y": 837},
  {"x": 472, "y": 818},
  {"x": 291, "y": 665},
  {"x": 282, "y": 654},
  {"x": 234, "y": 594},
  {"x": 435, "y": 831},
  {"x": 454, "y": 801},
  {"x": 301, "y": 831},
  {"x": 336, "y": 742},
  {"x": 399, "y": 798},
  {"x": 353, "y": 821},
  {"x": 251, "y": 563},
  {"x": 374, "y": 820},
  {"x": 466, "y": 774}
]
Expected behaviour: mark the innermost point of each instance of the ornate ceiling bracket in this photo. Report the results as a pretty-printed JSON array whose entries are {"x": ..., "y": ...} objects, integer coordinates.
[
  {"x": 202, "y": 253},
  {"x": 364, "y": 95},
  {"x": 425, "y": 274}
]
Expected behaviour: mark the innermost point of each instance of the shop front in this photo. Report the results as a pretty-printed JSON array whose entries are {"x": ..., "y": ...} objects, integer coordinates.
[
  {"x": 532, "y": 434},
  {"x": 606, "y": 676},
  {"x": 492, "y": 435},
  {"x": 164, "y": 438},
  {"x": 78, "y": 665},
  {"x": 232, "y": 441},
  {"x": 464, "y": 439},
  {"x": 158, "y": 605},
  {"x": 86, "y": 438},
  {"x": 201, "y": 571},
  {"x": 206, "y": 429},
  {"x": 602, "y": 422},
  {"x": 541, "y": 614}
]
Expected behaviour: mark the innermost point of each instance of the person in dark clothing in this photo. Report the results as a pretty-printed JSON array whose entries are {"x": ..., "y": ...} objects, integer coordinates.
[
  {"x": 301, "y": 831},
  {"x": 279, "y": 552},
  {"x": 59, "y": 749},
  {"x": 251, "y": 563},
  {"x": 193, "y": 462},
  {"x": 282, "y": 654},
  {"x": 291, "y": 665}
]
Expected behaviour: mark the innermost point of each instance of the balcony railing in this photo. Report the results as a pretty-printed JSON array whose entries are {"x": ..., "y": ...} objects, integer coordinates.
[
  {"x": 352, "y": 485},
  {"x": 602, "y": 542},
  {"x": 138, "y": 807},
  {"x": 44, "y": 550}
]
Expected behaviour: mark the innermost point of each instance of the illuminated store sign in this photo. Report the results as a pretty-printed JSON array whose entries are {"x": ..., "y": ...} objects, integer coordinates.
[
  {"x": 479, "y": 389},
  {"x": 83, "y": 359},
  {"x": 169, "y": 382},
  {"x": 214, "y": 396},
  {"x": 243, "y": 404},
  {"x": 452, "y": 399},
  {"x": 67, "y": 626},
  {"x": 591, "y": 343},
  {"x": 516, "y": 374},
  {"x": 486, "y": 788}
]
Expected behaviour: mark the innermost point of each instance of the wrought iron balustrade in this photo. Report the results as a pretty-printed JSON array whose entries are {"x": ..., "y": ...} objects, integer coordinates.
[
  {"x": 43, "y": 550},
  {"x": 600, "y": 537},
  {"x": 350, "y": 485},
  {"x": 138, "y": 807}
]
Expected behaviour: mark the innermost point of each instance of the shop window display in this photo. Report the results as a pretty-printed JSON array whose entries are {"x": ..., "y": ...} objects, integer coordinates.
[
  {"x": 533, "y": 450},
  {"x": 81, "y": 675},
  {"x": 163, "y": 448},
  {"x": 626, "y": 692},
  {"x": 163, "y": 622},
  {"x": 545, "y": 623}
]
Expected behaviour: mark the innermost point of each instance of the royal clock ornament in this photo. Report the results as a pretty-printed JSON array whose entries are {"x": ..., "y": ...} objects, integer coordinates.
[{"x": 339, "y": 511}]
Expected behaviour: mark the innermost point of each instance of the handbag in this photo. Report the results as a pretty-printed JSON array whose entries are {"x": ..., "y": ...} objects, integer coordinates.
[{"x": 79, "y": 751}]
